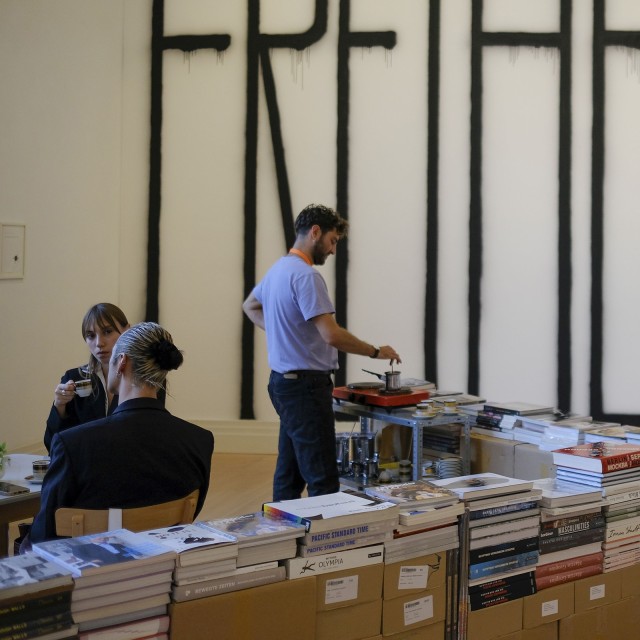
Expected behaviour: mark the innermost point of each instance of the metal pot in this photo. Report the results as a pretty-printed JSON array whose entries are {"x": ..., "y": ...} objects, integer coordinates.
[{"x": 392, "y": 380}]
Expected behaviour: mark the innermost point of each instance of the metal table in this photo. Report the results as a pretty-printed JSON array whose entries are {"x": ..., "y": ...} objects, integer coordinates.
[{"x": 404, "y": 416}]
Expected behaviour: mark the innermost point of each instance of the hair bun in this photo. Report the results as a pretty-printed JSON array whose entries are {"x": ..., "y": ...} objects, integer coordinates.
[{"x": 166, "y": 355}]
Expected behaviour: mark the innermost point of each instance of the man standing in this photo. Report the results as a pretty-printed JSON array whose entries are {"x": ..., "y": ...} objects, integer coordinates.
[{"x": 292, "y": 305}]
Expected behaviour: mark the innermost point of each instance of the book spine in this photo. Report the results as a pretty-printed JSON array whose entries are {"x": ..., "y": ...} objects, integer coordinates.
[
  {"x": 352, "y": 531},
  {"x": 503, "y": 550},
  {"x": 490, "y": 512},
  {"x": 575, "y": 527},
  {"x": 275, "y": 512},
  {"x": 224, "y": 585},
  {"x": 551, "y": 580},
  {"x": 624, "y": 529},
  {"x": 306, "y": 551},
  {"x": 501, "y": 565},
  {"x": 571, "y": 564},
  {"x": 594, "y": 520},
  {"x": 504, "y": 582},
  {"x": 25, "y": 609},
  {"x": 491, "y": 597},
  {"x": 130, "y": 630},
  {"x": 560, "y": 543},
  {"x": 37, "y": 622}
]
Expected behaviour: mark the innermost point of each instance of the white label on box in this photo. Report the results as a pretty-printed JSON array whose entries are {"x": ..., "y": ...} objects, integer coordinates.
[
  {"x": 418, "y": 610},
  {"x": 413, "y": 577},
  {"x": 341, "y": 589},
  {"x": 596, "y": 592},
  {"x": 549, "y": 608}
]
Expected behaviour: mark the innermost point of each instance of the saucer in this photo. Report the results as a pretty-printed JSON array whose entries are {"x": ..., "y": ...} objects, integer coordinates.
[{"x": 33, "y": 480}]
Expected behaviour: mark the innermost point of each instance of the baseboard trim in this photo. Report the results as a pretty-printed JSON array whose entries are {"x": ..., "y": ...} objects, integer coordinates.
[{"x": 242, "y": 436}]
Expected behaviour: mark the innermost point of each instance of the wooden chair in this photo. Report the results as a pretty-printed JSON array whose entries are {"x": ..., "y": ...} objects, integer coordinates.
[{"x": 73, "y": 522}]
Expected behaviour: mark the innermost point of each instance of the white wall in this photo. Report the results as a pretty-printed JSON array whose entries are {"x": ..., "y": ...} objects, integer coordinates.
[{"x": 74, "y": 149}]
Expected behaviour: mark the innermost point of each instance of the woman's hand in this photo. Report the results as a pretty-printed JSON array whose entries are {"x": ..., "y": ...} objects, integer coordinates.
[{"x": 64, "y": 394}]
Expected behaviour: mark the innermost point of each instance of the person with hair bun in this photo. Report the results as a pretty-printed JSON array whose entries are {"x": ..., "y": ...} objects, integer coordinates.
[
  {"x": 102, "y": 325},
  {"x": 139, "y": 455}
]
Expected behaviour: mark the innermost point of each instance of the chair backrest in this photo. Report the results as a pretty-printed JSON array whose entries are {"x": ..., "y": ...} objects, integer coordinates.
[{"x": 72, "y": 522}]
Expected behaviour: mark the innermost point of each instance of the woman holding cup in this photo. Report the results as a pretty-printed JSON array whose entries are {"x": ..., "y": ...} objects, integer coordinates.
[{"x": 82, "y": 395}]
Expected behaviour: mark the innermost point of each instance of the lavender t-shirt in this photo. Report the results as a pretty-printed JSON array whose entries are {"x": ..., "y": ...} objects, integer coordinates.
[{"x": 292, "y": 293}]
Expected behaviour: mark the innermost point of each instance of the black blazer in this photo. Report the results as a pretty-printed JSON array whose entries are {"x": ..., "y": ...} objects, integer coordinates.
[
  {"x": 138, "y": 456},
  {"x": 81, "y": 410}
]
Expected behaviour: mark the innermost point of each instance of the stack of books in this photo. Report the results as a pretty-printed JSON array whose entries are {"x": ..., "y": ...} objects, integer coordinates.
[
  {"x": 503, "y": 545},
  {"x": 260, "y": 537},
  {"x": 120, "y": 576},
  {"x": 532, "y": 429},
  {"x": 499, "y": 419},
  {"x": 35, "y": 598},
  {"x": 427, "y": 522},
  {"x": 571, "y": 532},
  {"x": 570, "y": 432},
  {"x": 348, "y": 522},
  {"x": 614, "y": 469},
  {"x": 204, "y": 559}
]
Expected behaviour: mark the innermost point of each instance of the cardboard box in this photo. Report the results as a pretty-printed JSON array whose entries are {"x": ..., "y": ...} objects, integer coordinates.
[
  {"x": 630, "y": 579},
  {"x": 543, "y": 632},
  {"x": 336, "y": 561},
  {"x": 494, "y": 455},
  {"x": 412, "y": 576},
  {"x": 347, "y": 623},
  {"x": 532, "y": 462},
  {"x": 617, "y": 621},
  {"x": 430, "y": 632},
  {"x": 413, "y": 611},
  {"x": 597, "y": 591},
  {"x": 280, "y": 611},
  {"x": 349, "y": 587},
  {"x": 548, "y": 605},
  {"x": 496, "y": 621}
]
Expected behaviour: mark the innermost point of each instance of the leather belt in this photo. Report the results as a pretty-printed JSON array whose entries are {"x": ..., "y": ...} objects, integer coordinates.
[{"x": 305, "y": 373}]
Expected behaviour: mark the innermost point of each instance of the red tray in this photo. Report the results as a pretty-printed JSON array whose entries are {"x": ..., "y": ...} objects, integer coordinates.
[{"x": 374, "y": 397}]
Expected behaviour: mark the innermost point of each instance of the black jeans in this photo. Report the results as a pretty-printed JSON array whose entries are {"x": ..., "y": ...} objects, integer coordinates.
[{"x": 307, "y": 441}]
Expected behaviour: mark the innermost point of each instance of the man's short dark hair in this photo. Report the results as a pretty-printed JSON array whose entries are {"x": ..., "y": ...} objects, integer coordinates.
[{"x": 325, "y": 217}]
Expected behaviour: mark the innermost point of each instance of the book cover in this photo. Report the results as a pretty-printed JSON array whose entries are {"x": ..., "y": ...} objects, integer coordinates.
[
  {"x": 129, "y": 630},
  {"x": 28, "y": 573},
  {"x": 570, "y": 552},
  {"x": 103, "y": 552},
  {"x": 254, "y": 528},
  {"x": 503, "y": 565},
  {"x": 622, "y": 530},
  {"x": 506, "y": 581},
  {"x": 349, "y": 531},
  {"x": 331, "y": 511},
  {"x": 513, "y": 548},
  {"x": 569, "y": 565},
  {"x": 364, "y": 556},
  {"x": 603, "y": 457},
  {"x": 224, "y": 585},
  {"x": 556, "y": 493},
  {"x": 479, "y": 485},
  {"x": 554, "y": 579},
  {"x": 414, "y": 494},
  {"x": 571, "y": 524},
  {"x": 194, "y": 544}
]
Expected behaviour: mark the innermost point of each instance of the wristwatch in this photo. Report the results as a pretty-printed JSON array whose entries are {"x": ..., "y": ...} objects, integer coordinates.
[{"x": 376, "y": 352}]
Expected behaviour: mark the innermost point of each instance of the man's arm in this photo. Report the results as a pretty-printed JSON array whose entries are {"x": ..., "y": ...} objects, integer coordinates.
[
  {"x": 335, "y": 335},
  {"x": 252, "y": 307}
]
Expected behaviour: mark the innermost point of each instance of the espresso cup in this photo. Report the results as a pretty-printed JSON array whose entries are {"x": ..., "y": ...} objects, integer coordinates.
[
  {"x": 40, "y": 467},
  {"x": 83, "y": 388}
]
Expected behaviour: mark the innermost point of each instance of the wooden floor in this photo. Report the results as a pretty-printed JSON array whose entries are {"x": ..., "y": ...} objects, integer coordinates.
[{"x": 240, "y": 483}]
